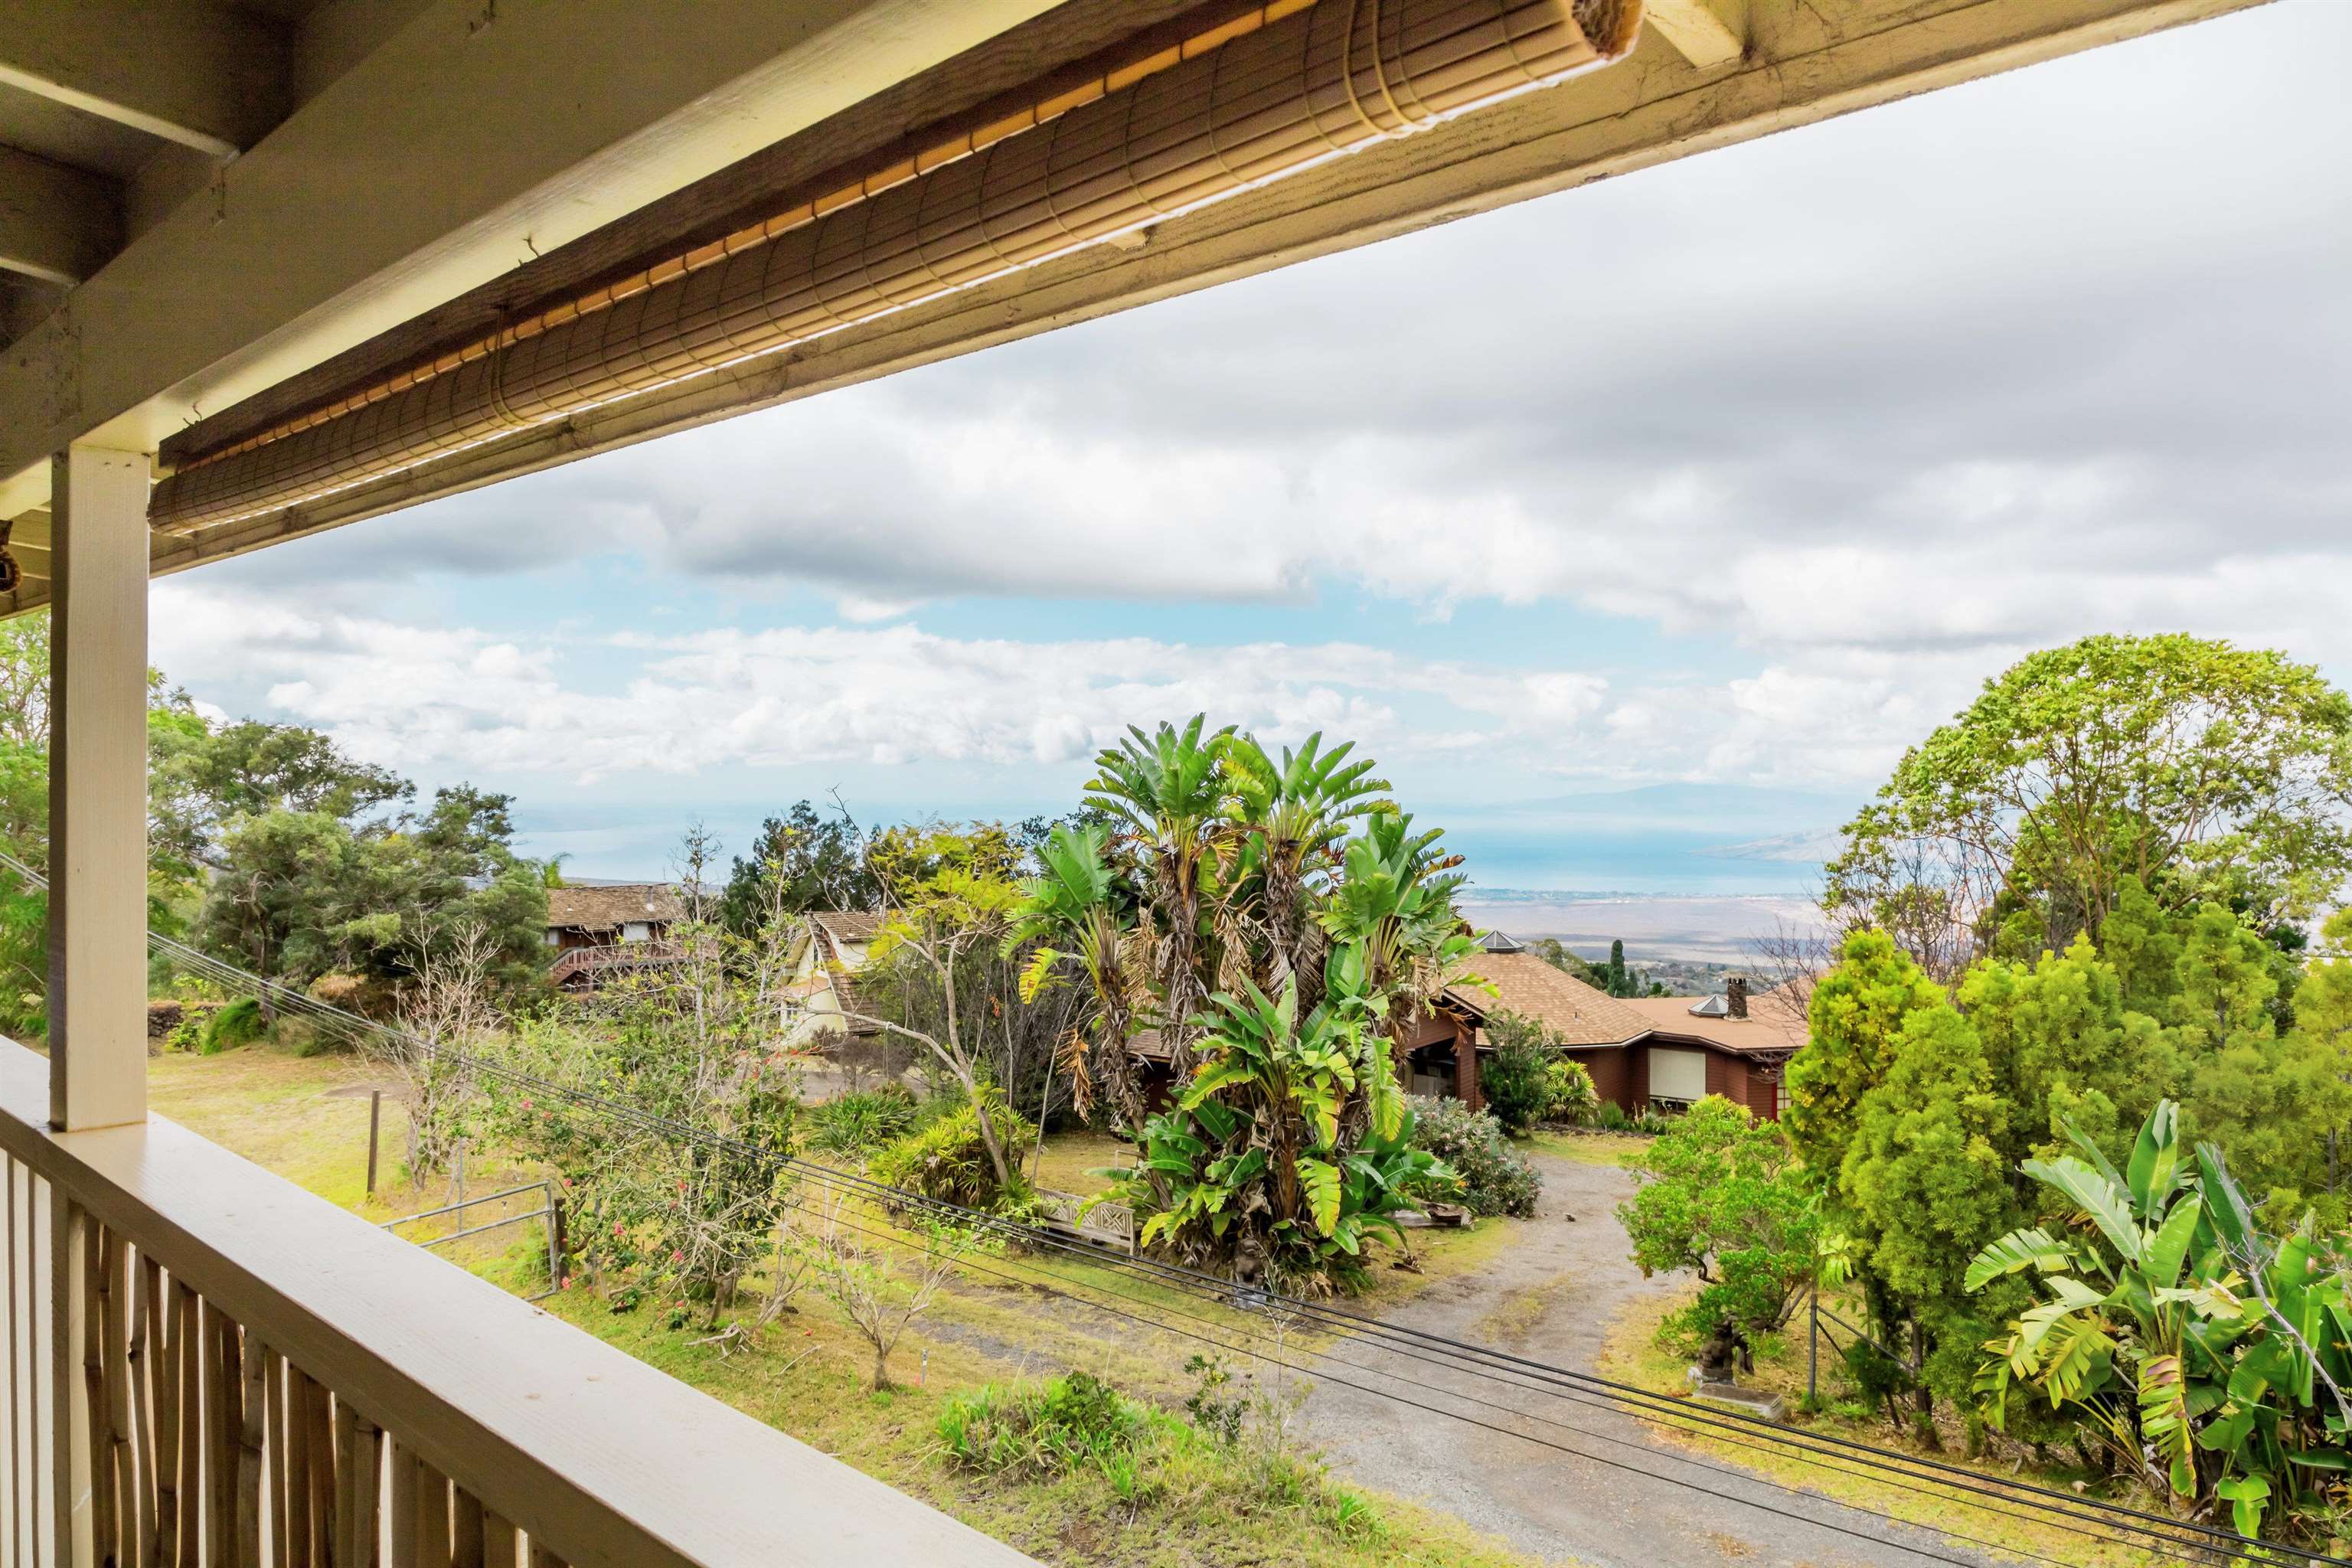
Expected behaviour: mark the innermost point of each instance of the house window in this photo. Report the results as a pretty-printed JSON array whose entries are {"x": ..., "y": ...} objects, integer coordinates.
[
  {"x": 636, "y": 931},
  {"x": 1781, "y": 1096}
]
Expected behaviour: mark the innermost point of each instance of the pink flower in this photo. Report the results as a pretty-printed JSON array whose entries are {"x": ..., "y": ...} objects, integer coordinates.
[
  {"x": 678, "y": 1257},
  {"x": 526, "y": 1105}
]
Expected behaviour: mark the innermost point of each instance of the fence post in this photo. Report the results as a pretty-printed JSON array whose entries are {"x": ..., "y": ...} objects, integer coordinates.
[
  {"x": 1812, "y": 1347},
  {"x": 375, "y": 1126},
  {"x": 555, "y": 1247}
]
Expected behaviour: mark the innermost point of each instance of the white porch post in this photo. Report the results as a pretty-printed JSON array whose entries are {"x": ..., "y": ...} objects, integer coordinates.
[{"x": 98, "y": 789}]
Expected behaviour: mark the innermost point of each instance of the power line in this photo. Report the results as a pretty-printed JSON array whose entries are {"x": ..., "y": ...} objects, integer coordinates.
[{"x": 1498, "y": 1366}]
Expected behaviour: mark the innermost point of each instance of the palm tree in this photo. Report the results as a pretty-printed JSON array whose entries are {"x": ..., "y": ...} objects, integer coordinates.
[{"x": 1169, "y": 789}]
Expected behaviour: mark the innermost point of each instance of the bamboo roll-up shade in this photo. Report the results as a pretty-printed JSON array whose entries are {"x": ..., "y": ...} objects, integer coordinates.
[{"x": 1295, "y": 83}]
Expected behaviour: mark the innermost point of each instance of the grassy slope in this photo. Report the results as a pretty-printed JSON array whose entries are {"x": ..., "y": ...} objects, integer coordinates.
[
  {"x": 806, "y": 1375},
  {"x": 1634, "y": 1354}
]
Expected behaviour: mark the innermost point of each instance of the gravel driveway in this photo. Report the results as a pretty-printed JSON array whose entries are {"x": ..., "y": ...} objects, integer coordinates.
[{"x": 1551, "y": 1296}]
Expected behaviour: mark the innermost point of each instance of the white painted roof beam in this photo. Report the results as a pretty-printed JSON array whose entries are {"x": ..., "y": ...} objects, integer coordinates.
[{"x": 467, "y": 140}]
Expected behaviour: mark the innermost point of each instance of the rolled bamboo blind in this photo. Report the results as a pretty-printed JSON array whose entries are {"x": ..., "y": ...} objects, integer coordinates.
[{"x": 1289, "y": 85}]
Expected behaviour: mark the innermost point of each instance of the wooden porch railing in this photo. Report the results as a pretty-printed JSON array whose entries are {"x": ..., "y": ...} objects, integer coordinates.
[
  {"x": 614, "y": 957},
  {"x": 204, "y": 1366}
]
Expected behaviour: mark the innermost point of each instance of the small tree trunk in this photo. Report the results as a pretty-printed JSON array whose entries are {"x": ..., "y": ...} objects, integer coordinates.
[{"x": 881, "y": 1368}]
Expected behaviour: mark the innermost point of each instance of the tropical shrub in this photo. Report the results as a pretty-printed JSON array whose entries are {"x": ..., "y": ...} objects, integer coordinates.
[
  {"x": 1481, "y": 1171},
  {"x": 2208, "y": 1355},
  {"x": 1722, "y": 1194},
  {"x": 1573, "y": 1098},
  {"x": 860, "y": 1122},
  {"x": 1286, "y": 1082},
  {"x": 1515, "y": 1076},
  {"x": 1282, "y": 929},
  {"x": 950, "y": 1161}
]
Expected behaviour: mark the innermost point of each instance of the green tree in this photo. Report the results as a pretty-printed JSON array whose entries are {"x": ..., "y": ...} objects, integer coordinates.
[
  {"x": 818, "y": 862},
  {"x": 1722, "y": 1194},
  {"x": 1924, "y": 1183},
  {"x": 1858, "y": 1008},
  {"x": 2060, "y": 1044},
  {"x": 297, "y": 894},
  {"x": 2198, "y": 770},
  {"x": 2322, "y": 1056},
  {"x": 1515, "y": 1076},
  {"x": 655, "y": 1212}
]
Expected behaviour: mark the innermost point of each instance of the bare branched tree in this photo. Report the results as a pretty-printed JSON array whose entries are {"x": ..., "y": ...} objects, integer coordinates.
[
  {"x": 446, "y": 1009},
  {"x": 879, "y": 1290}
]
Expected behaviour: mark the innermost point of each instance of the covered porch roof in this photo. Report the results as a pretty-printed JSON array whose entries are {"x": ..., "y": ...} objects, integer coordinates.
[{"x": 281, "y": 210}]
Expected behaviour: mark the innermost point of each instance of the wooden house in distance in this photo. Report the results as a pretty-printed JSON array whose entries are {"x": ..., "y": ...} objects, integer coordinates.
[
  {"x": 1662, "y": 1051},
  {"x": 597, "y": 930}
]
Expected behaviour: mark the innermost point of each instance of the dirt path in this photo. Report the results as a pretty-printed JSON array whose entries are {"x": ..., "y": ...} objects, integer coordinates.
[{"x": 1551, "y": 1296}]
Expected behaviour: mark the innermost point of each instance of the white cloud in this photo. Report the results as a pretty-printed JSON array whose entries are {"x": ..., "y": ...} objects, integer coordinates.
[
  {"x": 1882, "y": 402},
  {"x": 445, "y": 702}
]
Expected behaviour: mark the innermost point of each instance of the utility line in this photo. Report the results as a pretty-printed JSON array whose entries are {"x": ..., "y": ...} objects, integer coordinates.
[
  {"x": 1045, "y": 1276},
  {"x": 1498, "y": 1366}
]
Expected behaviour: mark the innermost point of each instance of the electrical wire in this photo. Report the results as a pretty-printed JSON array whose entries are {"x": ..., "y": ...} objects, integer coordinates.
[{"x": 1496, "y": 1366}]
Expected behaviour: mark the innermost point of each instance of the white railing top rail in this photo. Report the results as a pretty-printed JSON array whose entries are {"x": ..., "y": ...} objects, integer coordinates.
[{"x": 612, "y": 1464}]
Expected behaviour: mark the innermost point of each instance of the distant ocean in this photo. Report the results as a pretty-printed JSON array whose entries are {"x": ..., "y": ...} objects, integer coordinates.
[{"x": 1697, "y": 871}]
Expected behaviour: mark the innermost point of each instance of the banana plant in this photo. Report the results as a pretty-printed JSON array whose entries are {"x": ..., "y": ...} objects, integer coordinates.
[{"x": 2206, "y": 1357}]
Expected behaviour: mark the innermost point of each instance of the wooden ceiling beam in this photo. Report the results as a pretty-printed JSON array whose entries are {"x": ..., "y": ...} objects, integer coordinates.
[
  {"x": 1707, "y": 33},
  {"x": 205, "y": 76},
  {"x": 57, "y": 224},
  {"x": 444, "y": 157}
]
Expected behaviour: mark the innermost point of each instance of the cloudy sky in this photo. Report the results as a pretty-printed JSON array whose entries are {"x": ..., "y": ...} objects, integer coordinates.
[{"x": 1739, "y": 472}]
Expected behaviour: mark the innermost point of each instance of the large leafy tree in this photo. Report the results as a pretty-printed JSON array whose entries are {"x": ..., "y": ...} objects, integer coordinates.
[
  {"x": 1277, "y": 925},
  {"x": 297, "y": 894},
  {"x": 2198, "y": 770}
]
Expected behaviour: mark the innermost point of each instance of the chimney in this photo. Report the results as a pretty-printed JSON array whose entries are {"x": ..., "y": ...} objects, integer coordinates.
[{"x": 1735, "y": 995}]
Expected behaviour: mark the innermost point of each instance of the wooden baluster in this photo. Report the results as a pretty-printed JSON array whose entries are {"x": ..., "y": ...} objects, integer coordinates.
[
  {"x": 469, "y": 1532},
  {"x": 542, "y": 1557},
  {"x": 400, "y": 1482},
  {"x": 106, "y": 1547},
  {"x": 367, "y": 1482},
  {"x": 324, "y": 1490},
  {"x": 347, "y": 1442},
  {"x": 147, "y": 1376},
  {"x": 432, "y": 1517},
  {"x": 114, "y": 1266},
  {"x": 296, "y": 1510},
  {"x": 497, "y": 1543},
  {"x": 188, "y": 1352},
  {"x": 279, "y": 1475},
  {"x": 251, "y": 1398},
  {"x": 226, "y": 1429}
]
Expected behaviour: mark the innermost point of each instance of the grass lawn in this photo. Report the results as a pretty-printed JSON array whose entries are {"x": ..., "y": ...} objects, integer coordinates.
[
  {"x": 1586, "y": 1148},
  {"x": 1008, "y": 1317},
  {"x": 1634, "y": 1354},
  {"x": 1068, "y": 1161}
]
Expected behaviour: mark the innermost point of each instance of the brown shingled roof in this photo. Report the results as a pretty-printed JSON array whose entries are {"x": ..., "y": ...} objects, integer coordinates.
[
  {"x": 1775, "y": 1021},
  {"x": 849, "y": 925},
  {"x": 612, "y": 906},
  {"x": 1526, "y": 985}
]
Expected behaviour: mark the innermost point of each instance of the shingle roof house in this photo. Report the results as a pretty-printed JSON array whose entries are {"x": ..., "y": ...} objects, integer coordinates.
[{"x": 599, "y": 930}]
